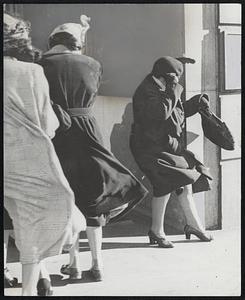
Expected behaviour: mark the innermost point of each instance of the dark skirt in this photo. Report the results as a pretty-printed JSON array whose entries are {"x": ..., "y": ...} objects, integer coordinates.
[
  {"x": 167, "y": 171},
  {"x": 104, "y": 189}
]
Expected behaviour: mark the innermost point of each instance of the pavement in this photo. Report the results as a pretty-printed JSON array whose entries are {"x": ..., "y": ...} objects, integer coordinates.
[{"x": 135, "y": 268}]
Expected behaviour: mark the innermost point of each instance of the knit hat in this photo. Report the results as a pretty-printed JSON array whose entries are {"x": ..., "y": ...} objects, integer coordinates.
[
  {"x": 167, "y": 65},
  {"x": 78, "y": 31}
]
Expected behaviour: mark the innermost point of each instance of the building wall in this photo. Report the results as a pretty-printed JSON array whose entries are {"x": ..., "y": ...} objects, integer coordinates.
[
  {"x": 219, "y": 207},
  {"x": 229, "y": 31},
  {"x": 210, "y": 75},
  {"x": 125, "y": 38},
  {"x": 194, "y": 35}
]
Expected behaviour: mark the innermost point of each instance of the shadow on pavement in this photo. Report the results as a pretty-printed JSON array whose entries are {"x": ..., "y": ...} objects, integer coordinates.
[{"x": 59, "y": 280}]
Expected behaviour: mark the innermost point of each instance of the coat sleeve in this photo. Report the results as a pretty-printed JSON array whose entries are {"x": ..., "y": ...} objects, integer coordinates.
[
  {"x": 92, "y": 76},
  {"x": 48, "y": 120},
  {"x": 160, "y": 105},
  {"x": 63, "y": 117}
]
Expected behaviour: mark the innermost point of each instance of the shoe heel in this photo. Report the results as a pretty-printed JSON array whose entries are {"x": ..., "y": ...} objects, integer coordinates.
[
  {"x": 188, "y": 236},
  {"x": 152, "y": 241}
]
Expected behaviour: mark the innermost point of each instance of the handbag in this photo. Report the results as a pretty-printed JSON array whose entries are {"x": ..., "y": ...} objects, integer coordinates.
[{"x": 216, "y": 130}]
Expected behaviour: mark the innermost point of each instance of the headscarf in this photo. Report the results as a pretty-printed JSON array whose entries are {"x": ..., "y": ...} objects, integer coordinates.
[
  {"x": 167, "y": 65},
  {"x": 78, "y": 31},
  {"x": 14, "y": 29}
]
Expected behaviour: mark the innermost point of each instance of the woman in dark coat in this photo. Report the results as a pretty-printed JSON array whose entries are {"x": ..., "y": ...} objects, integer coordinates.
[
  {"x": 104, "y": 189},
  {"x": 158, "y": 145}
]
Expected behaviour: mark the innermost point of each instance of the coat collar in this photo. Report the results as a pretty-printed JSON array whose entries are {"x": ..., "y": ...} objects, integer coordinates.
[{"x": 60, "y": 49}]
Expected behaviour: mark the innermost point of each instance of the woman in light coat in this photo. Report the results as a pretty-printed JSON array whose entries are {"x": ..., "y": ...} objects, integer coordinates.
[{"x": 37, "y": 195}]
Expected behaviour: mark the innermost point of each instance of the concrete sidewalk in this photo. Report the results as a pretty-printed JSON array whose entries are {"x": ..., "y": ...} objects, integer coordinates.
[{"x": 134, "y": 268}]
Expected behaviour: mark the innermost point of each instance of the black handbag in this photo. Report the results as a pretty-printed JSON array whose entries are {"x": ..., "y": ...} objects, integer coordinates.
[{"x": 216, "y": 130}]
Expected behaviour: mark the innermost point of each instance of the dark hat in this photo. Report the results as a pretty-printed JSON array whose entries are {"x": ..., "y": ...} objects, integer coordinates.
[
  {"x": 216, "y": 130},
  {"x": 166, "y": 65}
]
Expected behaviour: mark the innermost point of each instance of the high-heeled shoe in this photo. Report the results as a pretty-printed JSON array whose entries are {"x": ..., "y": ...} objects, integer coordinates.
[
  {"x": 188, "y": 230},
  {"x": 94, "y": 274},
  {"x": 9, "y": 280},
  {"x": 44, "y": 287},
  {"x": 162, "y": 242},
  {"x": 73, "y": 273}
]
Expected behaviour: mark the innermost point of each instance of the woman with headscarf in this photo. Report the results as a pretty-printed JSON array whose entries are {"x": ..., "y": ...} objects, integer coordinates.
[
  {"x": 104, "y": 189},
  {"x": 37, "y": 195},
  {"x": 157, "y": 142}
]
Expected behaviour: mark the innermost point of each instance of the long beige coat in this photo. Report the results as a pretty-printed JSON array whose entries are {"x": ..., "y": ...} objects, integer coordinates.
[{"x": 36, "y": 193}]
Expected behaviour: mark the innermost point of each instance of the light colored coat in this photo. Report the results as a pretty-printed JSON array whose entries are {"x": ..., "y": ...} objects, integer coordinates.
[{"x": 36, "y": 193}]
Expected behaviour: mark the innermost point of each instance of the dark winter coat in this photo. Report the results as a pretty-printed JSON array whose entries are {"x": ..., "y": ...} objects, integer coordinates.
[
  {"x": 101, "y": 184},
  {"x": 157, "y": 139}
]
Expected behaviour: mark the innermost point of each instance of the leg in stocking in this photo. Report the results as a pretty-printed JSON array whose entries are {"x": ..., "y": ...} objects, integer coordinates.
[
  {"x": 43, "y": 271},
  {"x": 30, "y": 275},
  {"x": 73, "y": 269},
  {"x": 5, "y": 250},
  {"x": 159, "y": 205},
  {"x": 188, "y": 205},
  {"x": 44, "y": 284},
  {"x": 94, "y": 235},
  {"x": 74, "y": 255}
]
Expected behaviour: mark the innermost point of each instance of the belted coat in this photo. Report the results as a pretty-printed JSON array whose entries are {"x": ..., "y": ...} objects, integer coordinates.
[{"x": 104, "y": 189}]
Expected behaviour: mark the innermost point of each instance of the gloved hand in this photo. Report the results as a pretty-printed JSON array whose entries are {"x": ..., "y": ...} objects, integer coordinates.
[{"x": 203, "y": 103}]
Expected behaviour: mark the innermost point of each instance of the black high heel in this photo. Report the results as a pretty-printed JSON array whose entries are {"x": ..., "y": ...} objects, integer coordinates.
[
  {"x": 44, "y": 287},
  {"x": 162, "y": 242},
  {"x": 188, "y": 230}
]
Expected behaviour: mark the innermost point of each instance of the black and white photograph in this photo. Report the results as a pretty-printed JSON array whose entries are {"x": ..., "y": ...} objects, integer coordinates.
[{"x": 122, "y": 149}]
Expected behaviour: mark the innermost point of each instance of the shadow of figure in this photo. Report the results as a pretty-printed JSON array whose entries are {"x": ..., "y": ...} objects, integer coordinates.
[
  {"x": 83, "y": 246},
  {"x": 60, "y": 280},
  {"x": 119, "y": 141}
]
